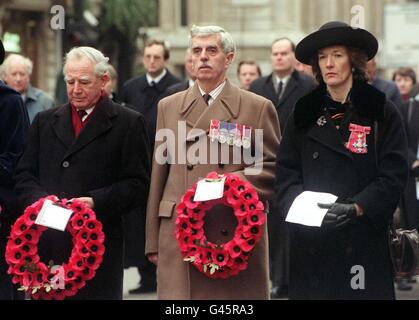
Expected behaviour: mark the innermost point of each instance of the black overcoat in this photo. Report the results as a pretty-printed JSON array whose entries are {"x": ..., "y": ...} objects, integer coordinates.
[
  {"x": 138, "y": 95},
  {"x": 14, "y": 125},
  {"x": 109, "y": 161},
  {"x": 313, "y": 157},
  {"x": 298, "y": 86}
]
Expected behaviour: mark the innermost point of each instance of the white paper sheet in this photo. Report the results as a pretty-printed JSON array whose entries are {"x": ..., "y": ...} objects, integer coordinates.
[
  {"x": 53, "y": 216},
  {"x": 304, "y": 210},
  {"x": 206, "y": 190}
]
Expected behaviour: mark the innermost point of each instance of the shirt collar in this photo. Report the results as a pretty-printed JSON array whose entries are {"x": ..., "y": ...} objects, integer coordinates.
[
  {"x": 156, "y": 79},
  {"x": 214, "y": 93},
  {"x": 284, "y": 80}
]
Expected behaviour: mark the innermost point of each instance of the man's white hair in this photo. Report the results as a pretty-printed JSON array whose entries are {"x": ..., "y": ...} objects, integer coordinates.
[
  {"x": 101, "y": 65},
  {"x": 227, "y": 42},
  {"x": 16, "y": 58}
]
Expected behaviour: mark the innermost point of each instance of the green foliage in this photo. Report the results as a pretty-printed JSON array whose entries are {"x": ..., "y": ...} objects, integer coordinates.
[{"x": 127, "y": 16}]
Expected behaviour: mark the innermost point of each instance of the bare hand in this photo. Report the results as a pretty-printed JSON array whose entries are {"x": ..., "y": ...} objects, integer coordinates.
[
  {"x": 153, "y": 257},
  {"x": 415, "y": 164},
  {"x": 87, "y": 200}
]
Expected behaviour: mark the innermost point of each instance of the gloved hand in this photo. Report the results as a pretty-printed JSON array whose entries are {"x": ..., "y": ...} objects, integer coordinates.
[{"x": 338, "y": 215}]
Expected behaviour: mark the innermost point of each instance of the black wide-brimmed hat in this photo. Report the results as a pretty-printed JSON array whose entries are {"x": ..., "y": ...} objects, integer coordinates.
[
  {"x": 1, "y": 52},
  {"x": 336, "y": 33}
]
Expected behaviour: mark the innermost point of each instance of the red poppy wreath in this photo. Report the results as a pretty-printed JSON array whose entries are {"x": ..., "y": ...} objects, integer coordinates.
[
  {"x": 227, "y": 259},
  {"x": 43, "y": 281}
]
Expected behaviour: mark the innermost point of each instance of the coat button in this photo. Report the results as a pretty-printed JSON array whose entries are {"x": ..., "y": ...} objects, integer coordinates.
[
  {"x": 315, "y": 155},
  {"x": 189, "y": 166},
  {"x": 66, "y": 164}
]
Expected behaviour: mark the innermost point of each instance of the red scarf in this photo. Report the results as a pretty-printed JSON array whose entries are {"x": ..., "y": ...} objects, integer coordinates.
[{"x": 76, "y": 121}]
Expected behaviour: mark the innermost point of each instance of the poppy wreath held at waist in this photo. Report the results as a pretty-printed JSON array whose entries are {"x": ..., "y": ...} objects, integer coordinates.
[
  {"x": 43, "y": 281},
  {"x": 230, "y": 258}
]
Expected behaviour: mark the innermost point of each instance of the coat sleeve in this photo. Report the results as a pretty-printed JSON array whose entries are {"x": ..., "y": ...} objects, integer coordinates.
[
  {"x": 261, "y": 174},
  {"x": 379, "y": 199},
  {"x": 14, "y": 126},
  {"x": 130, "y": 189},
  {"x": 159, "y": 176},
  {"x": 289, "y": 180},
  {"x": 14, "y": 129},
  {"x": 27, "y": 185}
]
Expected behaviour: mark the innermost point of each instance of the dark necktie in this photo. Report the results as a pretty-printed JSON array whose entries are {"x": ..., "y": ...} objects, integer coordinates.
[
  {"x": 206, "y": 97},
  {"x": 152, "y": 84},
  {"x": 280, "y": 87},
  {"x": 81, "y": 114}
]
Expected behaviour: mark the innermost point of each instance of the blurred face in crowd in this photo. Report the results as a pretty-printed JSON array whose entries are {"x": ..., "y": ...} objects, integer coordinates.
[
  {"x": 189, "y": 67},
  {"x": 209, "y": 60},
  {"x": 17, "y": 76},
  {"x": 303, "y": 68},
  {"x": 404, "y": 84},
  {"x": 153, "y": 59},
  {"x": 282, "y": 58},
  {"x": 84, "y": 87},
  {"x": 110, "y": 86},
  {"x": 247, "y": 73},
  {"x": 371, "y": 69},
  {"x": 335, "y": 67}
]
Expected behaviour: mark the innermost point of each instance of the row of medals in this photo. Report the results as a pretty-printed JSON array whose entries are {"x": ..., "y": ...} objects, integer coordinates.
[{"x": 233, "y": 134}]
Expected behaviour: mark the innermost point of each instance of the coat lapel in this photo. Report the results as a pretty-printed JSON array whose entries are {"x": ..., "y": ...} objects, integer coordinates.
[
  {"x": 62, "y": 125},
  {"x": 289, "y": 88},
  {"x": 269, "y": 90},
  {"x": 98, "y": 124},
  {"x": 198, "y": 115},
  {"x": 329, "y": 136}
]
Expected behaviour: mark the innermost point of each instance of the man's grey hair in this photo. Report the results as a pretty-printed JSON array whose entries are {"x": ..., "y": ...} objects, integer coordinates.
[
  {"x": 227, "y": 42},
  {"x": 101, "y": 65},
  {"x": 16, "y": 58}
]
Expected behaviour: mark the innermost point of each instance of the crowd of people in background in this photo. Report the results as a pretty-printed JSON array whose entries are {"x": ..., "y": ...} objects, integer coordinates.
[{"x": 289, "y": 81}]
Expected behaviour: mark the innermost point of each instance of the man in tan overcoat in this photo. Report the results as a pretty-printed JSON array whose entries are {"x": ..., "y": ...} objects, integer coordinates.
[{"x": 183, "y": 123}]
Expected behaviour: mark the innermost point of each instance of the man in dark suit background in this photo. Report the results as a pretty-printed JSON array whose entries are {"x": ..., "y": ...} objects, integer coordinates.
[
  {"x": 94, "y": 150},
  {"x": 389, "y": 88},
  {"x": 14, "y": 124},
  {"x": 284, "y": 86},
  {"x": 142, "y": 94},
  {"x": 190, "y": 77}
]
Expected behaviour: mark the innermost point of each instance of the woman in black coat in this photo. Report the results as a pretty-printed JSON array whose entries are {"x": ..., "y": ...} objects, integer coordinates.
[{"x": 343, "y": 138}]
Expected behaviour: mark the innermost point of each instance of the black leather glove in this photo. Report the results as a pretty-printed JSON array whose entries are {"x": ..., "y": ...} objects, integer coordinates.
[{"x": 338, "y": 215}]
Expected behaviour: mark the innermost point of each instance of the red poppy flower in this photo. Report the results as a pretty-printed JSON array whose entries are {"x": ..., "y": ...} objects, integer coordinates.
[
  {"x": 20, "y": 227},
  {"x": 219, "y": 257},
  {"x": 257, "y": 217},
  {"x": 188, "y": 199},
  {"x": 96, "y": 247}
]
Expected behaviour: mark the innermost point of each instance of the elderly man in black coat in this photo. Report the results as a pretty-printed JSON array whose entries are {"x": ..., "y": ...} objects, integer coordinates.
[
  {"x": 91, "y": 149},
  {"x": 14, "y": 124}
]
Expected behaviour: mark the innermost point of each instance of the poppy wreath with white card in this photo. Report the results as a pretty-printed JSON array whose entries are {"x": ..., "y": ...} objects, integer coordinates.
[
  {"x": 230, "y": 258},
  {"x": 42, "y": 281}
]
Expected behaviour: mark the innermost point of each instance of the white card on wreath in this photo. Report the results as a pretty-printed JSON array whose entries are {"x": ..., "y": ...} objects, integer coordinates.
[
  {"x": 209, "y": 189},
  {"x": 53, "y": 216}
]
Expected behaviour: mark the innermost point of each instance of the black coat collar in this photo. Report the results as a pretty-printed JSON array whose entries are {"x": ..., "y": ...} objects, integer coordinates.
[{"x": 366, "y": 100}]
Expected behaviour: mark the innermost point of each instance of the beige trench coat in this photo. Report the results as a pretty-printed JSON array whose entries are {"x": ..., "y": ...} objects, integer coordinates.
[{"x": 178, "y": 279}]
